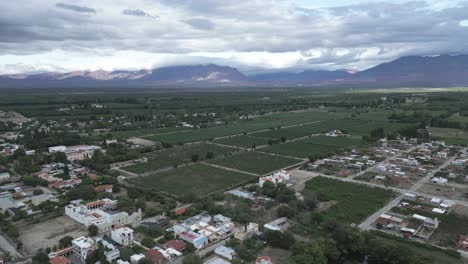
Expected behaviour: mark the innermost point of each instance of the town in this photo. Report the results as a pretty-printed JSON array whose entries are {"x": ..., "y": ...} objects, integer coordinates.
[{"x": 265, "y": 186}]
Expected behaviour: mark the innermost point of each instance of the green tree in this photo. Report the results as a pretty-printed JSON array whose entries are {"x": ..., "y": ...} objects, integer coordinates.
[
  {"x": 192, "y": 259},
  {"x": 65, "y": 241},
  {"x": 93, "y": 230}
]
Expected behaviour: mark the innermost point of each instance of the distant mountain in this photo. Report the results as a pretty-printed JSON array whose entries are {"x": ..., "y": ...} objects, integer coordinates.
[
  {"x": 308, "y": 77},
  {"x": 412, "y": 71},
  {"x": 443, "y": 70}
]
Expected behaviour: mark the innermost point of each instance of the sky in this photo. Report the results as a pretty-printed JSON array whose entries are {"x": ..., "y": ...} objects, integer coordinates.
[{"x": 251, "y": 35}]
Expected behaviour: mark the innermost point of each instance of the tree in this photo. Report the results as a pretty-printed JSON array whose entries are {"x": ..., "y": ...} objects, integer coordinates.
[
  {"x": 286, "y": 211},
  {"x": 145, "y": 261},
  {"x": 209, "y": 155},
  {"x": 192, "y": 259},
  {"x": 283, "y": 139},
  {"x": 65, "y": 241},
  {"x": 310, "y": 199},
  {"x": 279, "y": 239},
  {"x": 40, "y": 258},
  {"x": 148, "y": 242},
  {"x": 93, "y": 230},
  {"x": 195, "y": 158}
]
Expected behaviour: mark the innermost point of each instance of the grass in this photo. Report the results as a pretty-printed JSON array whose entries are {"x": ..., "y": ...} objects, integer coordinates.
[
  {"x": 242, "y": 126},
  {"x": 255, "y": 162},
  {"x": 243, "y": 141},
  {"x": 300, "y": 150},
  {"x": 197, "y": 179},
  {"x": 176, "y": 156},
  {"x": 354, "y": 202},
  {"x": 427, "y": 253},
  {"x": 317, "y": 146},
  {"x": 451, "y": 135}
]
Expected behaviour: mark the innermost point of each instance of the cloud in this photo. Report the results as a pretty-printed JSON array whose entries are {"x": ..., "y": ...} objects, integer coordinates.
[
  {"x": 76, "y": 8},
  {"x": 137, "y": 12},
  {"x": 247, "y": 34},
  {"x": 200, "y": 23}
]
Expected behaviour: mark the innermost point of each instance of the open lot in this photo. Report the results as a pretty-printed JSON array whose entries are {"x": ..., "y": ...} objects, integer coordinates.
[
  {"x": 444, "y": 191},
  {"x": 199, "y": 179},
  {"x": 177, "y": 155},
  {"x": 354, "y": 202},
  {"x": 255, "y": 162},
  {"x": 48, "y": 233}
]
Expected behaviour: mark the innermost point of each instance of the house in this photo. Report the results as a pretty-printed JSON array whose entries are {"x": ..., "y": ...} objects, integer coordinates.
[
  {"x": 409, "y": 196},
  {"x": 427, "y": 221},
  {"x": 66, "y": 183},
  {"x": 275, "y": 178},
  {"x": 178, "y": 245},
  {"x": 219, "y": 218},
  {"x": 225, "y": 252},
  {"x": 111, "y": 252},
  {"x": 263, "y": 260},
  {"x": 197, "y": 240},
  {"x": 59, "y": 260},
  {"x": 94, "y": 213},
  {"x": 134, "y": 259},
  {"x": 280, "y": 224},
  {"x": 123, "y": 236},
  {"x": 73, "y": 153},
  {"x": 4, "y": 176},
  {"x": 442, "y": 155},
  {"x": 463, "y": 242},
  {"x": 216, "y": 260},
  {"x": 439, "y": 180},
  {"x": 83, "y": 246},
  {"x": 104, "y": 188},
  {"x": 155, "y": 256},
  {"x": 246, "y": 232}
]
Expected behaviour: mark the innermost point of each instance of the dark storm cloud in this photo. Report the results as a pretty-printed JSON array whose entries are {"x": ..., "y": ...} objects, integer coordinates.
[
  {"x": 200, "y": 23},
  {"x": 76, "y": 8}
]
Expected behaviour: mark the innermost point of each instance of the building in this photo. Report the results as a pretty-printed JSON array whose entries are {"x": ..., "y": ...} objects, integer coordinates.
[
  {"x": 246, "y": 232},
  {"x": 463, "y": 242},
  {"x": 280, "y": 224},
  {"x": 442, "y": 155},
  {"x": 123, "y": 236},
  {"x": 66, "y": 184},
  {"x": 439, "y": 180},
  {"x": 277, "y": 177},
  {"x": 83, "y": 246},
  {"x": 216, "y": 260},
  {"x": 155, "y": 256},
  {"x": 197, "y": 240},
  {"x": 73, "y": 153},
  {"x": 178, "y": 245},
  {"x": 99, "y": 213},
  {"x": 263, "y": 260},
  {"x": 134, "y": 259},
  {"x": 111, "y": 252},
  {"x": 4, "y": 176},
  {"x": 104, "y": 188},
  {"x": 225, "y": 252},
  {"x": 59, "y": 260}
]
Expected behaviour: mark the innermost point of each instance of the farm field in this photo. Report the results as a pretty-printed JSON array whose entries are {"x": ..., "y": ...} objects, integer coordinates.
[
  {"x": 143, "y": 132},
  {"x": 354, "y": 202},
  {"x": 300, "y": 150},
  {"x": 292, "y": 132},
  {"x": 451, "y": 135},
  {"x": 176, "y": 156},
  {"x": 243, "y": 141},
  {"x": 317, "y": 146},
  {"x": 199, "y": 179},
  {"x": 239, "y": 127},
  {"x": 255, "y": 162}
]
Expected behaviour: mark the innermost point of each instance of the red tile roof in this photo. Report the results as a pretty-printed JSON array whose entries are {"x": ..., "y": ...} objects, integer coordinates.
[
  {"x": 178, "y": 245},
  {"x": 155, "y": 256},
  {"x": 103, "y": 188}
]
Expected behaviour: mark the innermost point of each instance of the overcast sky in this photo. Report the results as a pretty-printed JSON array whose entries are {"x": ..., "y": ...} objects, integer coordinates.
[{"x": 252, "y": 35}]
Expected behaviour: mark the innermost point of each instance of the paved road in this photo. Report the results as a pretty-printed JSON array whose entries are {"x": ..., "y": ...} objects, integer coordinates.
[{"x": 6, "y": 245}]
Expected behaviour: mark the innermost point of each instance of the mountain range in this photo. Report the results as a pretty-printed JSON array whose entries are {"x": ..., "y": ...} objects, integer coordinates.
[{"x": 411, "y": 71}]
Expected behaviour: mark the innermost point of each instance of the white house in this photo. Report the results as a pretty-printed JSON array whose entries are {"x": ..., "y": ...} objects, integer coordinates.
[
  {"x": 439, "y": 180},
  {"x": 123, "y": 236},
  {"x": 280, "y": 224},
  {"x": 225, "y": 252},
  {"x": 277, "y": 177},
  {"x": 82, "y": 246},
  {"x": 134, "y": 259}
]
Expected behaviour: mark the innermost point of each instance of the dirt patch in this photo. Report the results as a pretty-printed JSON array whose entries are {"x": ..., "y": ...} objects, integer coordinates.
[
  {"x": 277, "y": 255},
  {"x": 143, "y": 142},
  {"x": 444, "y": 191},
  {"x": 324, "y": 206},
  {"x": 47, "y": 234}
]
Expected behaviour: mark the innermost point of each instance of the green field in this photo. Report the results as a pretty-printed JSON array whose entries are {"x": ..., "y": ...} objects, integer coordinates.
[
  {"x": 243, "y": 141},
  {"x": 318, "y": 146},
  {"x": 176, "y": 156},
  {"x": 354, "y": 202},
  {"x": 142, "y": 132},
  {"x": 239, "y": 127},
  {"x": 451, "y": 135},
  {"x": 199, "y": 179},
  {"x": 255, "y": 162}
]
